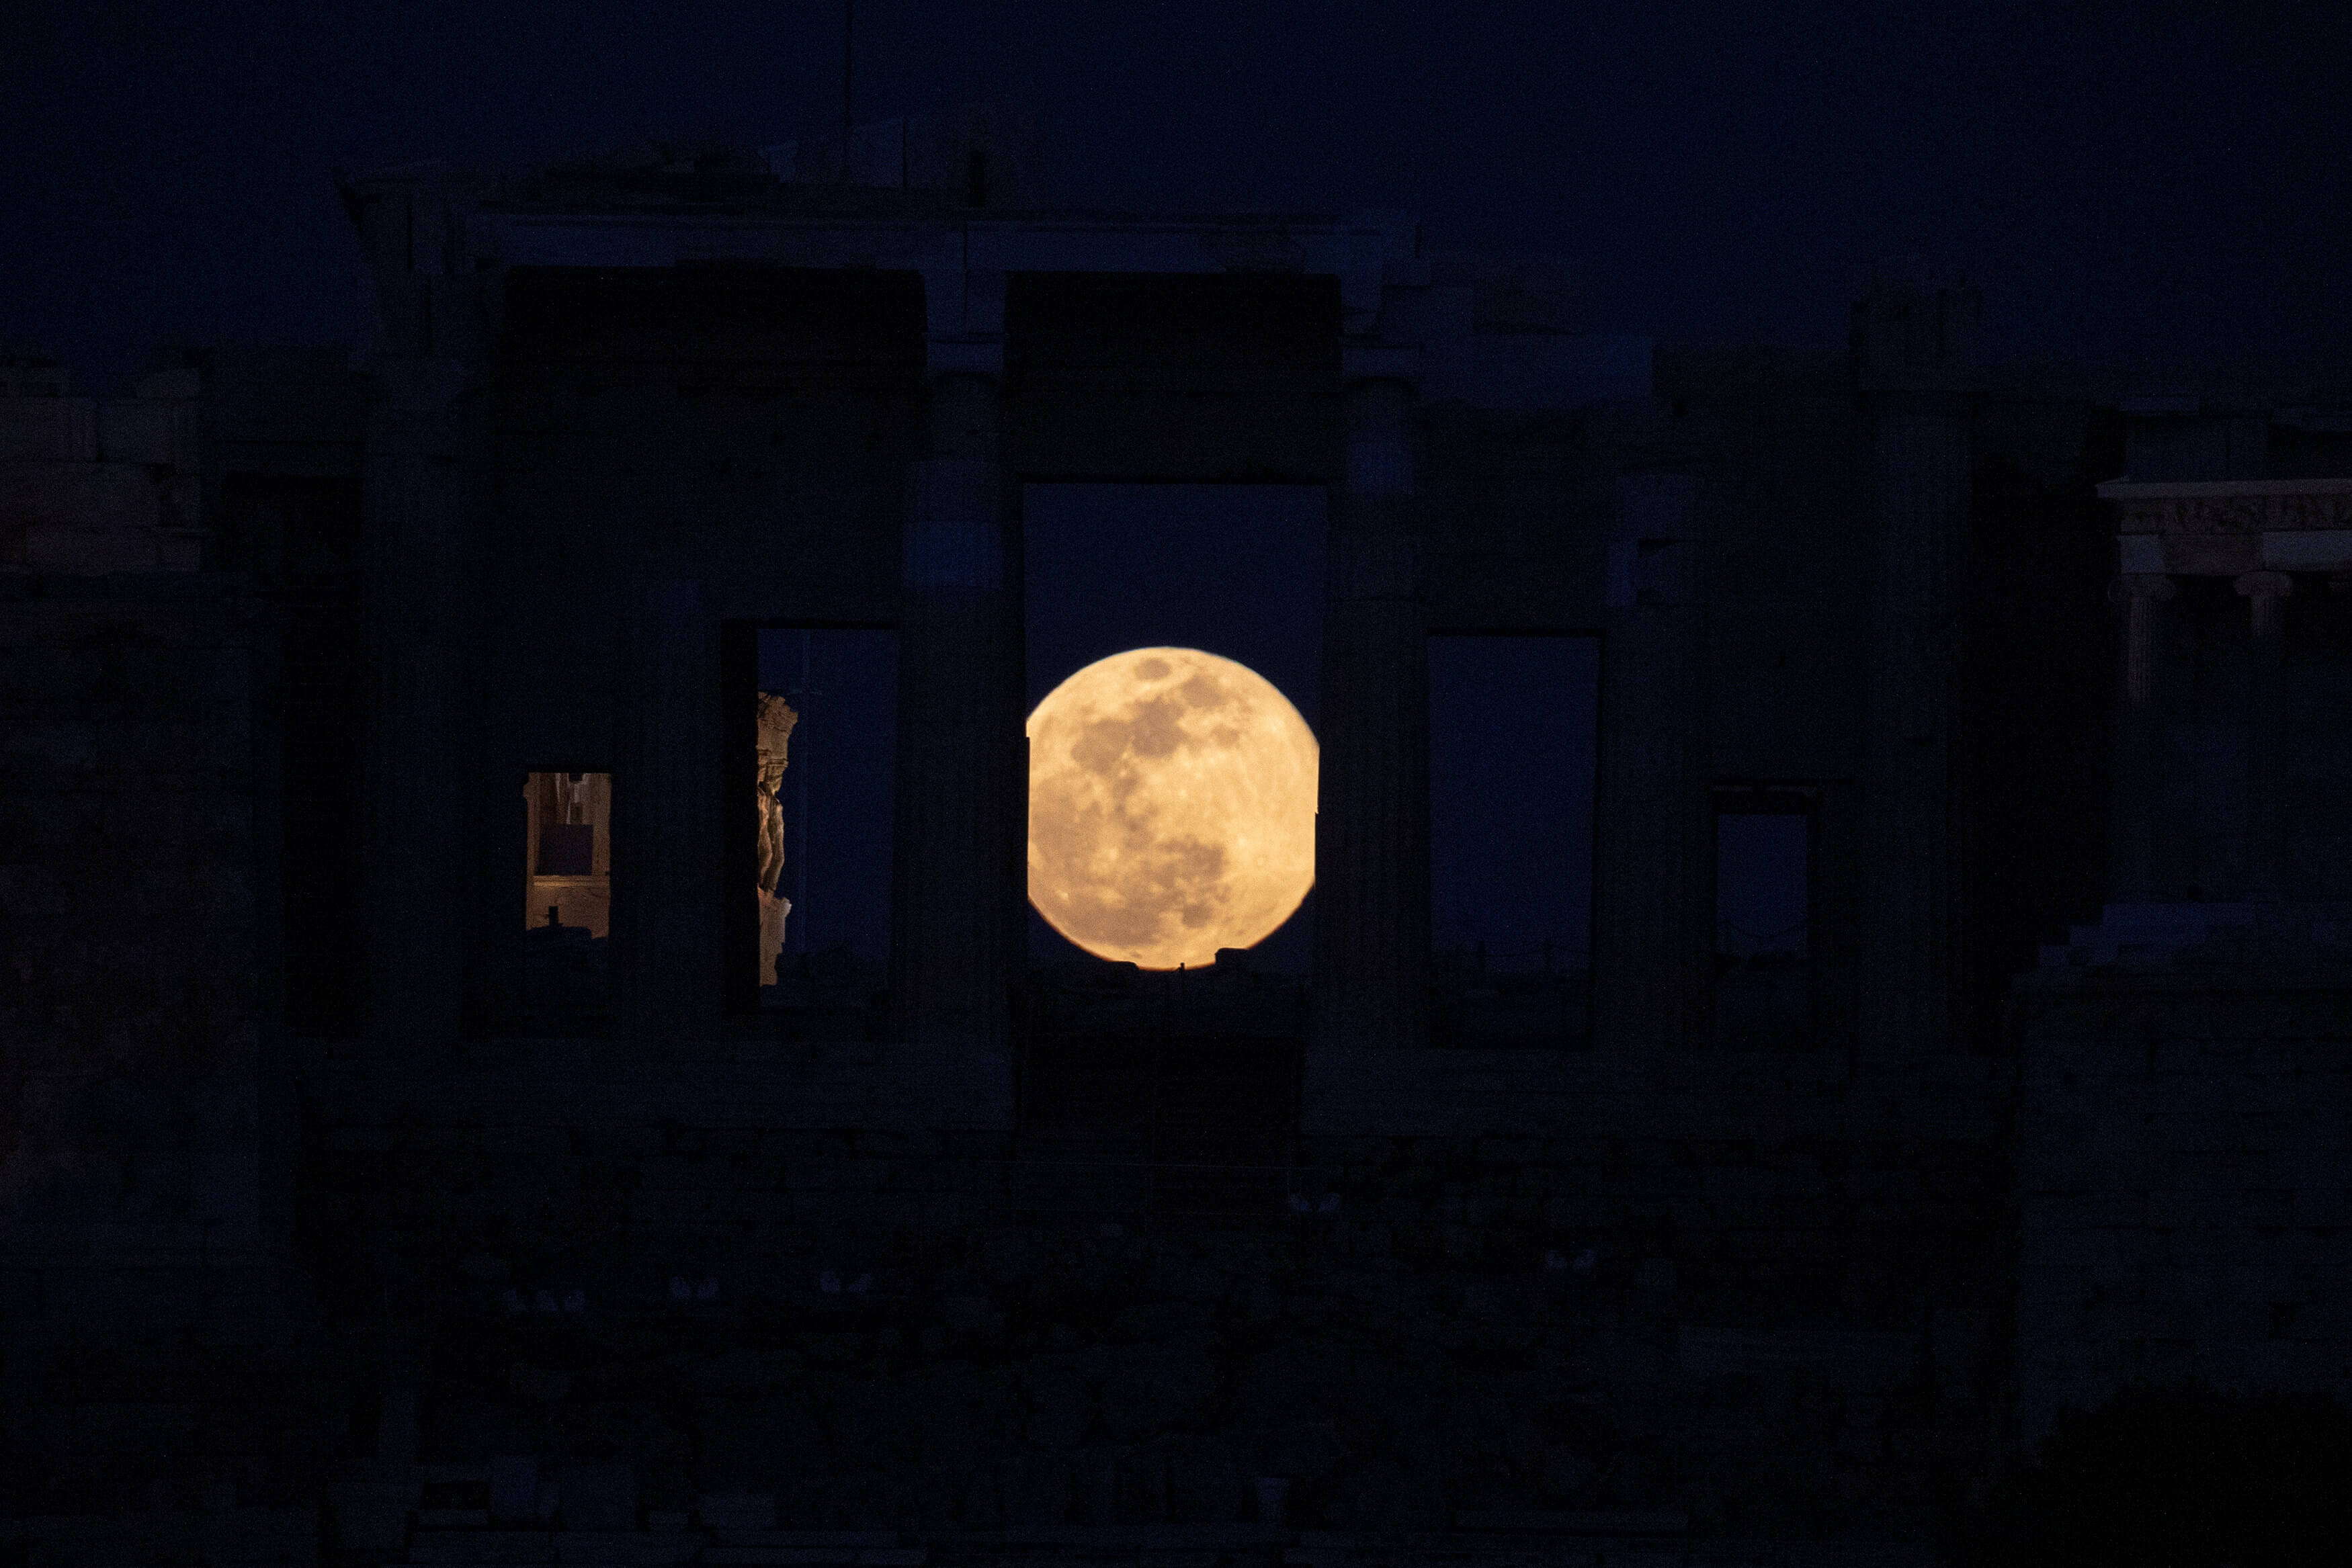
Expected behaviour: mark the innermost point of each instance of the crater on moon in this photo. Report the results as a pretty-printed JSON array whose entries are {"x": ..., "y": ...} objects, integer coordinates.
[{"x": 1172, "y": 806}]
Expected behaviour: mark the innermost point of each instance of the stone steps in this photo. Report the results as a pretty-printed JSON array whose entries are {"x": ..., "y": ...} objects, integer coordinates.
[{"x": 1619, "y": 1540}]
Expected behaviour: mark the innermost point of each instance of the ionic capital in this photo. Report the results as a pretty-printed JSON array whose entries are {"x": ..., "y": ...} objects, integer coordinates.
[{"x": 2266, "y": 594}]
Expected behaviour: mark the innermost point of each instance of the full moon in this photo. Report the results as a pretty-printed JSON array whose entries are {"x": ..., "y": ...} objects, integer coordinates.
[{"x": 1172, "y": 806}]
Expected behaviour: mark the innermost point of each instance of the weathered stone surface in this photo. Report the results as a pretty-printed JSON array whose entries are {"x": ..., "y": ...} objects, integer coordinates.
[
  {"x": 2179, "y": 1163},
  {"x": 860, "y": 1280}
]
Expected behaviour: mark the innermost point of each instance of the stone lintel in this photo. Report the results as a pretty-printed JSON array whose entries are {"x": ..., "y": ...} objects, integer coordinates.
[
  {"x": 2234, "y": 555},
  {"x": 2234, "y": 509},
  {"x": 2128, "y": 489},
  {"x": 1353, "y": 251},
  {"x": 2206, "y": 555},
  {"x": 2319, "y": 549}
]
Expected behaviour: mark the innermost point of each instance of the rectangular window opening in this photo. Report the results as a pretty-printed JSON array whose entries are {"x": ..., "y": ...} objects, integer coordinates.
[
  {"x": 818, "y": 727},
  {"x": 567, "y": 906},
  {"x": 1512, "y": 726},
  {"x": 1233, "y": 571},
  {"x": 1764, "y": 964},
  {"x": 1126, "y": 1058}
]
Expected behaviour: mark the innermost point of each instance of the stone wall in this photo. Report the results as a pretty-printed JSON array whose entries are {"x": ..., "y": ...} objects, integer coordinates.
[
  {"x": 128, "y": 847},
  {"x": 145, "y": 1335},
  {"x": 1777, "y": 1321},
  {"x": 2183, "y": 1151},
  {"x": 100, "y": 485},
  {"x": 1762, "y": 1295}
]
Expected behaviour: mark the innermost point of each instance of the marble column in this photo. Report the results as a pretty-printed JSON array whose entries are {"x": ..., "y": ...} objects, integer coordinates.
[
  {"x": 1653, "y": 950},
  {"x": 1371, "y": 827},
  {"x": 416, "y": 633},
  {"x": 669, "y": 892},
  {"x": 1909, "y": 938},
  {"x": 2266, "y": 757},
  {"x": 958, "y": 870},
  {"x": 2139, "y": 739}
]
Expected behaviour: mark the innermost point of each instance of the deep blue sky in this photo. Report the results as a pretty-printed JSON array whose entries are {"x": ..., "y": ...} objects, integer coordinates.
[
  {"x": 2126, "y": 181},
  {"x": 1511, "y": 726},
  {"x": 841, "y": 764}
]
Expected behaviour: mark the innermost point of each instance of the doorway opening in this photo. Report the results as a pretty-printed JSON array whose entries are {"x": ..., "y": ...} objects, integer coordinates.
[
  {"x": 1512, "y": 727},
  {"x": 1765, "y": 982},
  {"x": 822, "y": 717},
  {"x": 1195, "y": 1069},
  {"x": 568, "y": 905}
]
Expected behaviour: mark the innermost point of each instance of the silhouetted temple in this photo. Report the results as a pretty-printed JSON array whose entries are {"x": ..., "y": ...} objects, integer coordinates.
[{"x": 345, "y": 1218}]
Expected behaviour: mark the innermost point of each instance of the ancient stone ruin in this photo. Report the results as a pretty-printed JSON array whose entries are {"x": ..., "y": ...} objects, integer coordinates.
[{"x": 322, "y": 1241}]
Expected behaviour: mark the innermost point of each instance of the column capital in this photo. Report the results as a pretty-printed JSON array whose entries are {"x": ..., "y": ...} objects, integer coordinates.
[
  {"x": 2265, "y": 593},
  {"x": 2141, "y": 585}
]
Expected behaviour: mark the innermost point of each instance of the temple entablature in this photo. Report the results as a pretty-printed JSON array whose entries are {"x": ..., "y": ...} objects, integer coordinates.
[{"x": 2224, "y": 527}]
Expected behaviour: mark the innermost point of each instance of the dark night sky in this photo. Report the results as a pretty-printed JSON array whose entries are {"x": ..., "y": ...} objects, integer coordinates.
[
  {"x": 2131, "y": 182},
  {"x": 2148, "y": 187}
]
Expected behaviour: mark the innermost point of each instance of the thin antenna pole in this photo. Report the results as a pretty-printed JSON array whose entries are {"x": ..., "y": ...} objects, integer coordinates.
[{"x": 848, "y": 28}]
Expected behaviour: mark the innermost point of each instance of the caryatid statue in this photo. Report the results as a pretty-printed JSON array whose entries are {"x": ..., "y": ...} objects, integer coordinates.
[{"x": 775, "y": 731}]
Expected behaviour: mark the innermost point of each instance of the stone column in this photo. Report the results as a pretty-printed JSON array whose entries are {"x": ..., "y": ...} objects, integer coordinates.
[
  {"x": 1652, "y": 918},
  {"x": 1371, "y": 826},
  {"x": 2139, "y": 739},
  {"x": 428, "y": 331},
  {"x": 1915, "y": 350},
  {"x": 2266, "y": 765},
  {"x": 415, "y": 633},
  {"x": 958, "y": 875},
  {"x": 669, "y": 891},
  {"x": 1909, "y": 941}
]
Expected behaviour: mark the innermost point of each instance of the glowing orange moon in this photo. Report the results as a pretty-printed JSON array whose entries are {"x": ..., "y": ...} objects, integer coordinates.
[{"x": 1172, "y": 806}]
